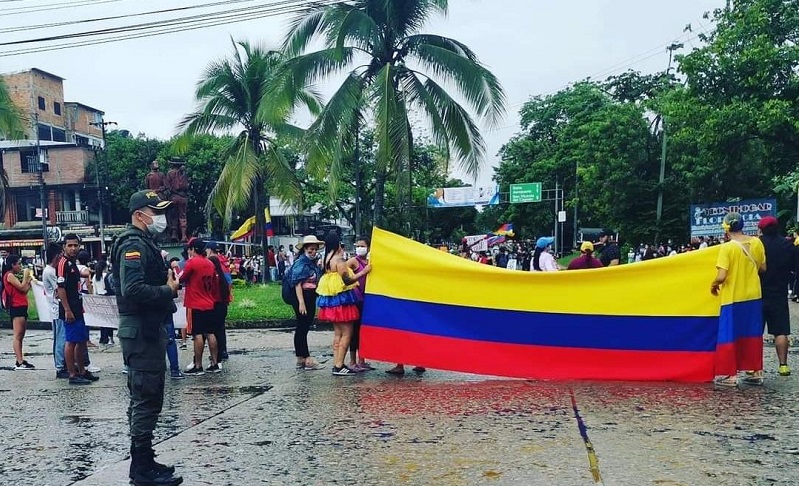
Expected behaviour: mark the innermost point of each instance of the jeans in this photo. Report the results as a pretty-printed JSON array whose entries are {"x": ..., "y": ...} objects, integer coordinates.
[
  {"x": 171, "y": 346},
  {"x": 59, "y": 340},
  {"x": 273, "y": 274}
]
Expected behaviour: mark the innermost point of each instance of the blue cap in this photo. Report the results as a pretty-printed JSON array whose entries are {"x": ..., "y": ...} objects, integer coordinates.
[
  {"x": 544, "y": 241},
  {"x": 212, "y": 245}
]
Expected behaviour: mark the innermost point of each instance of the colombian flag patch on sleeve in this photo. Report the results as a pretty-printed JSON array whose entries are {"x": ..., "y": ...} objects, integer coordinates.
[{"x": 132, "y": 255}]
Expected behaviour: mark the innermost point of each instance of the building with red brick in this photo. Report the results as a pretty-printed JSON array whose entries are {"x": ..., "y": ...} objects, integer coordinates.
[{"x": 62, "y": 140}]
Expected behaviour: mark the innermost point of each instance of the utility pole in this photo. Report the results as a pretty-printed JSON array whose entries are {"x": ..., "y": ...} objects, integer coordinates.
[
  {"x": 40, "y": 173},
  {"x": 102, "y": 124},
  {"x": 576, "y": 179},
  {"x": 673, "y": 47}
]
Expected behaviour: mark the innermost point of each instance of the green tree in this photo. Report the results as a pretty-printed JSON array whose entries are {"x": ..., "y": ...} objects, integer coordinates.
[
  {"x": 245, "y": 92},
  {"x": 733, "y": 127},
  {"x": 581, "y": 137},
  {"x": 393, "y": 71},
  {"x": 11, "y": 128}
]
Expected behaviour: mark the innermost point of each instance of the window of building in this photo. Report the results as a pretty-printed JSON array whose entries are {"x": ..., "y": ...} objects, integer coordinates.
[
  {"x": 29, "y": 163},
  {"x": 44, "y": 132},
  {"x": 42, "y": 104},
  {"x": 59, "y": 135},
  {"x": 98, "y": 118},
  {"x": 57, "y": 108},
  {"x": 81, "y": 140}
]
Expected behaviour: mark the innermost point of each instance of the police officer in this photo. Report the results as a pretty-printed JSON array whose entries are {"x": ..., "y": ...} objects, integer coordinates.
[{"x": 145, "y": 293}]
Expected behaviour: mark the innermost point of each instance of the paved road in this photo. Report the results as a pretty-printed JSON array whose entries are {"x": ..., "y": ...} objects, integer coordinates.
[{"x": 262, "y": 422}]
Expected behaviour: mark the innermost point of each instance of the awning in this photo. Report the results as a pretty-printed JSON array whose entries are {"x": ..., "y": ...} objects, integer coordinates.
[{"x": 21, "y": 243}]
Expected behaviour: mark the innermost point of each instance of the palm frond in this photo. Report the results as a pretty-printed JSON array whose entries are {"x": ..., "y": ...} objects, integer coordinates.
[
  {"x": 477, "y": 84},
  {"x": 391, "y": 133}
]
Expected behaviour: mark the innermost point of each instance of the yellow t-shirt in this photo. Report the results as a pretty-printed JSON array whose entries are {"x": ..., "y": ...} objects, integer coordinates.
[{"x": 743, "y": 279}]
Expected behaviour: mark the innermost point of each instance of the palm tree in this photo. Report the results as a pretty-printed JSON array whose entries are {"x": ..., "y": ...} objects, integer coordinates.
[
  {"x": 402, "y": 72},
  {"x": 245, "y": 93},
  {"x": 10, "y": 128}
]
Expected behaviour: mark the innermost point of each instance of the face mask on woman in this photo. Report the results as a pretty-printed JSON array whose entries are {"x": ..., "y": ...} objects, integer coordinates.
[{"x": 361, "y": 251}]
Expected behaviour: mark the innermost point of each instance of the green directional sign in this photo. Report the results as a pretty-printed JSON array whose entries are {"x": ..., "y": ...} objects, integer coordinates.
[{"x": 525, "y": 193}]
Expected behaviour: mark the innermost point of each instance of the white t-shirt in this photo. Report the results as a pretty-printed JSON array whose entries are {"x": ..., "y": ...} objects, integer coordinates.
[
  {"x": 703, "y": 245},
  {"x": 99, "y": 285},
  {"x": 547, "y": 263},
  {"x": 511, "y": 264},
  {"x": 50, "y": 287}
]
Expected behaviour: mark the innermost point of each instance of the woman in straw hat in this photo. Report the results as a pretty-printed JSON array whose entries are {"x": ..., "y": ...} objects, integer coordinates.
[{"x": 303, "y": 278}]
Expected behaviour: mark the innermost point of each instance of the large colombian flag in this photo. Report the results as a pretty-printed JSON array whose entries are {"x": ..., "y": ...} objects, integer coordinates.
[{"x": 654, "y": 320}]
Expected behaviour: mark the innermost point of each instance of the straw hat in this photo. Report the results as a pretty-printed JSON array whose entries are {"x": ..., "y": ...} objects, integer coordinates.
[{"x": 309, "y": 240}]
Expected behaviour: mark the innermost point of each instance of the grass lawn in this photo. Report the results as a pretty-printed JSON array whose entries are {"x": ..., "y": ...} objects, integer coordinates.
[
  {"x": 258, "y": 303},
  {"x": 250, "y": 304}
]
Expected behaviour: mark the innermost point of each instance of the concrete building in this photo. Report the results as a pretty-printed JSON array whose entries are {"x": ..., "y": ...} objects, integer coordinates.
[{"x": 59, "y": 144}]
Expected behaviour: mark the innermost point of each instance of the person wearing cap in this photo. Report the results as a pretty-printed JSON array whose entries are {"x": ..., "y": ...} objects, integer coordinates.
[
  {"x": 146, "y": 289},
  {"x": 198, "y": 279},
  {"x": 543, "y": 260},
  {"x": 299, "y": 285},
  {"x": 739, "y": 262},
  {"x": 586, "y": 260},
  {"x": 610, "y": 255},
  {"x": 782, "y": 258}
]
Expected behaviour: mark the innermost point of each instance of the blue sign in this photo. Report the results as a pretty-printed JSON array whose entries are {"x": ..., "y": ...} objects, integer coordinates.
[{"x": 706, "y": 218}]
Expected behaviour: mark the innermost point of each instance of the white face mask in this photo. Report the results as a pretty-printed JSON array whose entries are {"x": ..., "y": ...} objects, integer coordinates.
[
  {"x": 158, "y": 225},
  {"x": 361, "y": 251}
]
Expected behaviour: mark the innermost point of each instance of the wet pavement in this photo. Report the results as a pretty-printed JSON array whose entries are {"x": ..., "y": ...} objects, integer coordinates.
[{"x": 262, "y": 422}]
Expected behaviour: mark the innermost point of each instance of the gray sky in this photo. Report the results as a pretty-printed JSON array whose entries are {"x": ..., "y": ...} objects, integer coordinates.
[{"x": 533, "y": 47}]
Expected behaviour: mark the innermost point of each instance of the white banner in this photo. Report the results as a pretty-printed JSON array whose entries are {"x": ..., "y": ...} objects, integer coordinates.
[{"x": 98, "y": 310}]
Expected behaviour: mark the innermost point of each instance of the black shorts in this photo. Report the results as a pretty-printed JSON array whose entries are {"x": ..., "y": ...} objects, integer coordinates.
[
  {"x": 777, "y": 317},
  {"x": 18, "y": 312},
  {"x": 203, "y": 322}
]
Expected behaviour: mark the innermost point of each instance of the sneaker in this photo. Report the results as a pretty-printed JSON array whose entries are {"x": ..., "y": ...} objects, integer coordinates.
[
  {"x": 124, "y": 370},
  {"x": 183, "y": 346},
  {"x": 177, "y": 375},
  {"x": 79, "y": 380},
  {"x": 419, "y": 369},
  {"x": 359, "y": 368},
  {"x": 313, "y": 366},
  {"x": 93, "y": 369},
  {"x": 343, "y": 371},
  {"x": 784, "y": 370},
  {"x": 194, "y": 371},
  {"x": 367, "y": 365},
  {"x": 214, "y": 368},
  {"x": 61, "y": 374},
  {"x": 89, "y": 376},
  {"x": 224, "y": 357},
  {"x": 301, "y": 366},
  {"x": 24, "y": 366}
]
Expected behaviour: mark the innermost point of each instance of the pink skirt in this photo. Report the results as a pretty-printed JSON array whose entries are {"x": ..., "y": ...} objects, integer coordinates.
[{"x": 339, "y": 313}]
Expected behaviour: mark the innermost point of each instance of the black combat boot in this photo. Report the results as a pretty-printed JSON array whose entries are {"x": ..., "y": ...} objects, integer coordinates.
[
  {"x": 156, "y": 465},
  {"x": 144, "y": 472}
]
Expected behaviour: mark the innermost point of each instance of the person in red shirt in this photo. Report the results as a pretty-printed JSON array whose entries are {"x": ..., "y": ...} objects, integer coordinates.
[
  {"x": 587, "y": 259},
  {"x": 198, "y": 278},
  {"x": 15, "y": 296},
  {"x": 271, "y": 262},
  {"x": 212, "y": 250}
]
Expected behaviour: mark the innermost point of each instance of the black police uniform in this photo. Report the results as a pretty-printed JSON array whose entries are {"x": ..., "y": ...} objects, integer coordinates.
[{"x": 144, "y": 301}]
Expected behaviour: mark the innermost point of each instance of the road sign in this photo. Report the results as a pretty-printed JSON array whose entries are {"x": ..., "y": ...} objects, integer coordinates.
[
  {"x": 561, "y": 216},
  {"x": 525, "y": 193}
]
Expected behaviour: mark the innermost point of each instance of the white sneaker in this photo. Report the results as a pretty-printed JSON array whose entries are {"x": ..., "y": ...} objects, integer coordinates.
[{"x": 93, "y": 369}]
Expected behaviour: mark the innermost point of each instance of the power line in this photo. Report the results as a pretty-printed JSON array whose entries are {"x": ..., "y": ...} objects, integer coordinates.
[
  {"x": 115, "y": 17},
  {"x": 53, "y": 6},
  {"x": 240, "y": 17},
  {"x": 155, "y": 24}
]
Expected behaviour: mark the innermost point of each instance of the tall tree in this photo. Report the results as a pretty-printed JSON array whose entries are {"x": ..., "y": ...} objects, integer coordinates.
[
  {"x": 10, "y": 128},
  {"x": 393, "y": 70},
  {"x": 245, "y": 93}
]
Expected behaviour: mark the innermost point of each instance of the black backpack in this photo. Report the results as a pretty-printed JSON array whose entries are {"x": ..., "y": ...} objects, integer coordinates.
[{"x": 288, "y": 292}]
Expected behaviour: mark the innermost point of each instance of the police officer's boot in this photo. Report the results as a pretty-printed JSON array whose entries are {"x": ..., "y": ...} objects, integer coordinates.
[
  {"x": 148, "y": 451},
  {"x": 144, "y": 472}
]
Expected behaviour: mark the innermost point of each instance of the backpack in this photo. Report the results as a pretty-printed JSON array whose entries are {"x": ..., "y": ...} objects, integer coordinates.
[
  {"x": 288, "y": 292},
  {"x": 4, "y": 297}
]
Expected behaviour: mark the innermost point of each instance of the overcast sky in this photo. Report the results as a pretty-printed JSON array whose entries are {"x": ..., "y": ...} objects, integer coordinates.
[{"x": 533, "y": 47}]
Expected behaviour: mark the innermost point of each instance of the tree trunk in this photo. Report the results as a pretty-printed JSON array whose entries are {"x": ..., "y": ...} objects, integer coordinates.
[{"x": 380, "y": 197}]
